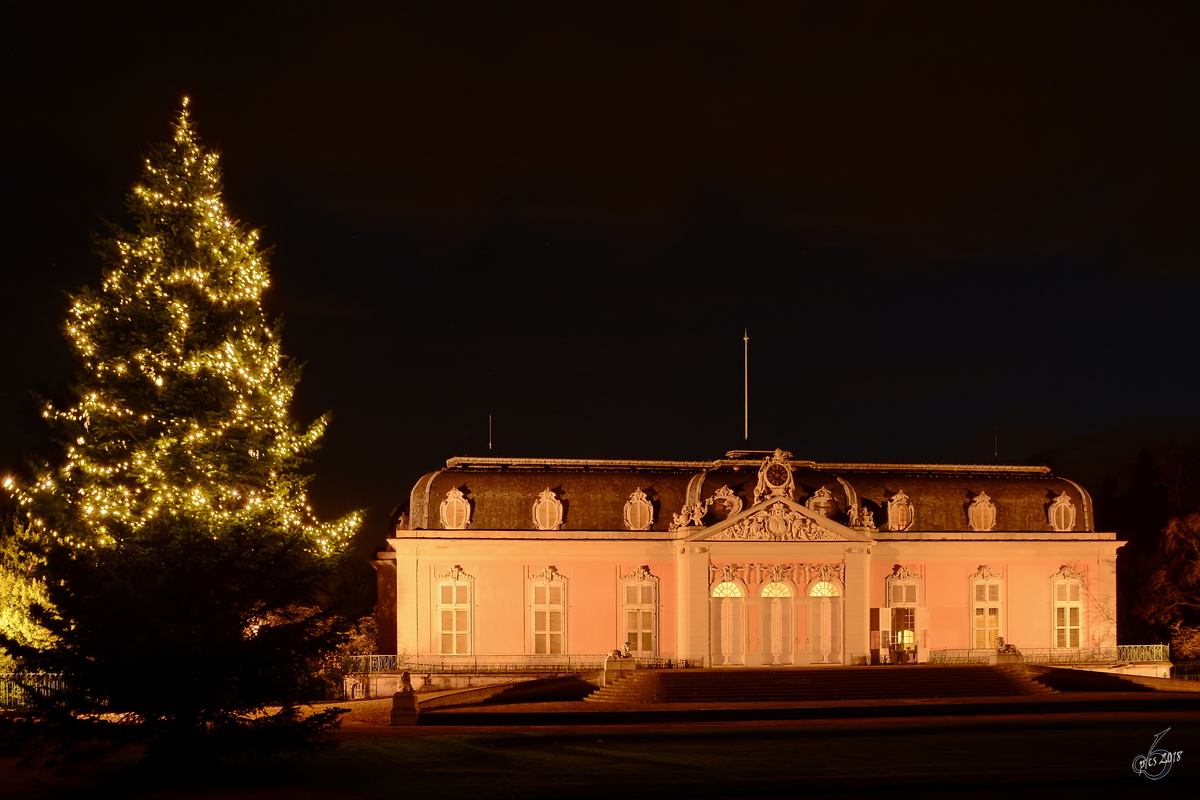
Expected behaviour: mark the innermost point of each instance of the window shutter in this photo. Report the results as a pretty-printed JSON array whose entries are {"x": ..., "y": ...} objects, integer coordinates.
[
  {"x": 631, "y": 594},
  {"x": 539, "y": 622},
  {"x": 648, "y": 595},
  {"x": 556, "y": 620},
  {"x": 556, "y": 595},
  {"x": 446, "y": 590},
  {"x": 462, "y": 594},
  {"x": 910, "y": 593},
  {"x": 539, "y": 595},
  {"x": 1075, "y": 592}
]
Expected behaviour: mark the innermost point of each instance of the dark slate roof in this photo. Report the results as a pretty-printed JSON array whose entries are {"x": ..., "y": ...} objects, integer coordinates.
[{"x": 594, "y": 492}]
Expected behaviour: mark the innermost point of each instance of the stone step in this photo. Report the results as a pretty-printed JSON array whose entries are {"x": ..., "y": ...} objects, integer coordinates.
[{"x": 805, "y": 685}]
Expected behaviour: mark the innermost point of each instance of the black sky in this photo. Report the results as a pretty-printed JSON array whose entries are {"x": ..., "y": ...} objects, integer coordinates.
[{"x": 943, "y": 224}]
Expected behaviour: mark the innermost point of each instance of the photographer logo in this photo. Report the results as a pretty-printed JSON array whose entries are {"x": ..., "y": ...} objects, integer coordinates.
[{"x": 1157, "y": 763}]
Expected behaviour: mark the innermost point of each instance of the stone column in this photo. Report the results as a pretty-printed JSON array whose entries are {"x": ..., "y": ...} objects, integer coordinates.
[
  {"x": 858, "y": 605},
  {"x": 691, "y": 602}
]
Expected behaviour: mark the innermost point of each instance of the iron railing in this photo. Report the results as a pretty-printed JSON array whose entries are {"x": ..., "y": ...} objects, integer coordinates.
[
  {"x": 1186, "y": 671},
  {"x": 491, "y": 665},
  {"x": 669, "y": 663},
  {"x": 470, "y": 665},
  {"x": 14, "y": 687},
  {"x": 1125, "y": 653}
]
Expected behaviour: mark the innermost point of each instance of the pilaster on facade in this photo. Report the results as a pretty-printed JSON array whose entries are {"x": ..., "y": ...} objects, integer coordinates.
[
  {"x": 692, "y": 603},
  {"x": 858, "y": 604}
]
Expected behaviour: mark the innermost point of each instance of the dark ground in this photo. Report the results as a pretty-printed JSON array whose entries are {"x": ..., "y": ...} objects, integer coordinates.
[{"x": 983, "y": 756}]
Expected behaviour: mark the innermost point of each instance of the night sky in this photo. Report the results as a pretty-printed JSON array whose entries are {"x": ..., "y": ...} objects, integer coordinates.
[{"x": 951, "y": 230}]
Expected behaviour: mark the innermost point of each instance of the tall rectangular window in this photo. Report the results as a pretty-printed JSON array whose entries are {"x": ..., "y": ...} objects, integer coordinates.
[
  {"x": 454, "y": 618},
  {"x": 641, "y": 612},
  {"x": 1068, "y": 614},
  {"x": 985, "y": 624},
  {"x": 549, "y": 619}
]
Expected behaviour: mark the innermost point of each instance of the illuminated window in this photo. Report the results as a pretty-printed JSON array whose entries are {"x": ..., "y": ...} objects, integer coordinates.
[
  {"x": 454, "y": 617},
  {"x": 985, "y": 614},
  {"x": 777, "y": 590},
  {"x": 640, "y": 609},
  {"x": 549, "y": 610},
  {"x": 727, "y": 589},
  {"x": 1068, "y": 613},
  {"x": 824, "y": 589}
]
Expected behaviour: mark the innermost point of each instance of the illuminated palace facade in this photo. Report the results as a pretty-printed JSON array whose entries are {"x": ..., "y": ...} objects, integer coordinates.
[{"x": 750, "y": 560}]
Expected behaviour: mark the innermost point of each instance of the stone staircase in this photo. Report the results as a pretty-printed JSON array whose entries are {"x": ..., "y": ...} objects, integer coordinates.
[{"x": 810, "y": 684}]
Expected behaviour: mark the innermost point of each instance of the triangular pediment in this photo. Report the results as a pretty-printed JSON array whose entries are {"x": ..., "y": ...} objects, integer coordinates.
[{"x": 778, "y": 519}]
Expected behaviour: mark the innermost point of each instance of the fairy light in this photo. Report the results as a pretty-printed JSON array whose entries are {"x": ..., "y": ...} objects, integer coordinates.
[{"x": 184, "y": 395}]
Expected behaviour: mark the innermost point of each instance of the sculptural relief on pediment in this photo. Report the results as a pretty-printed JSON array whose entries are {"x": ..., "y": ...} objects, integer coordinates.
[{"x": 778, "y": 523}]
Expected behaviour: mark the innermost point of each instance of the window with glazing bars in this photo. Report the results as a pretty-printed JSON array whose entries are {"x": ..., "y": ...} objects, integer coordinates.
[
  {"x": 1068, "y": 614},
  {"x": 985, "y": 624},
  {"x": 549, "y": 619},
  {"x": 641, "y": 616},
  {"x": 454, "y": 614}
]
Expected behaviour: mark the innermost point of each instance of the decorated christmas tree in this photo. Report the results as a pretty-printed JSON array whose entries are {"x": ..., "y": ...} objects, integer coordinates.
[
  {"x": 180, "y": 558},
  {"x": 182, "y": 397}
]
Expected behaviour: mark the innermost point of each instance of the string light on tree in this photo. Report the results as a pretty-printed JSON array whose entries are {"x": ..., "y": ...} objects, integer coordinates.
[{"x": 183, "y": 395}]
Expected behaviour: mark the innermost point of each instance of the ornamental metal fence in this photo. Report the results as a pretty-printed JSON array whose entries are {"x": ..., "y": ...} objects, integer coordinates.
[
  {"x": 1120, "y": 654},
  {"x": 492, "y": 665},
  {"x": 15, "y": 687},
  {"x": 1186, "y": 671}
]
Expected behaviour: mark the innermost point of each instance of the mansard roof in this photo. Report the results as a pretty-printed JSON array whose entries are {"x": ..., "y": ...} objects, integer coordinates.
[{"x": 593, "y": 492}]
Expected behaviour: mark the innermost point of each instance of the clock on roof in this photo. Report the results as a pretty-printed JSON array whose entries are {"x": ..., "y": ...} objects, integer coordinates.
[
  {"x": 777, "y": 475},
  {"x": 774, "y": 477}
]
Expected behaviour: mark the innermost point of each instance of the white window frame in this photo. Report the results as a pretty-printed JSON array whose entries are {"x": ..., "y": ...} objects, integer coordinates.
[
  {"x": 986, "y": 603},
  {"x": 1068, "y": 592},
  {"x": 545, "y": 636},
  {"x": 644, "y": 605},
  {"x": 461, "y": 609}
]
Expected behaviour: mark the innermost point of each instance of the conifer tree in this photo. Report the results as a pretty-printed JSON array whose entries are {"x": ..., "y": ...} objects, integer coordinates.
[
  {"x": 181, "y": 557},
  {"x": 181, "y": 400}
]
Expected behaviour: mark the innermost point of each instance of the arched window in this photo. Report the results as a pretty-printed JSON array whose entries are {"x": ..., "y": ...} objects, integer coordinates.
[
  {"x": 548, "y": 608},
  {"x": 824, "y": 589},
  {"x": 1067, "y": 587},
  {"x": 776, "y": 590},
  {"x": 727, "y": 589},
  {"x": 454, "y": 590},
  {"x": 640, "y": 610}
]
